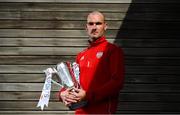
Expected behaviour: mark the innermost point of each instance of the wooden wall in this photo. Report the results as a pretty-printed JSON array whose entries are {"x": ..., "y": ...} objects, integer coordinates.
[{"x": 37, "y": 34}]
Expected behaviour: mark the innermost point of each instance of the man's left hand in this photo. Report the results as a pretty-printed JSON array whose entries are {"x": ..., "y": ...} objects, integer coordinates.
[{"x": 80, "y": 94}]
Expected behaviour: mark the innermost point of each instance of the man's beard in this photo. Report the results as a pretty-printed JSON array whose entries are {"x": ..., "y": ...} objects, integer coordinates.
[{"x": 92, "y": 39}]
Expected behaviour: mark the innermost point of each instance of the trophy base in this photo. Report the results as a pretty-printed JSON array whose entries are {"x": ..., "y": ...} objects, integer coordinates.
[{"x": 77, "y": 105}]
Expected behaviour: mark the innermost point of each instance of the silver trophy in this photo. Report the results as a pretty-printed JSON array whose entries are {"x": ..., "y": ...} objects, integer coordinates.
[
  {"x": 64, "y": 75},
  {"x": 69, "y": 77}
]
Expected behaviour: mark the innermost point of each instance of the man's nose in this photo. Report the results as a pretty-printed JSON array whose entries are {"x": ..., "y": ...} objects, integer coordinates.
[{"x": 94, "y": 26}]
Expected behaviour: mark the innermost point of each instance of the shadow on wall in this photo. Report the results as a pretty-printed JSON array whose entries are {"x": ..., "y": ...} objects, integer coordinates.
[{"x": 149, "y": 36}]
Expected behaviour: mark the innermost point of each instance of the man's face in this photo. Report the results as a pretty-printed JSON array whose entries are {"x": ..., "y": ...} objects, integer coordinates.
[{"x": 95, "y": 26}]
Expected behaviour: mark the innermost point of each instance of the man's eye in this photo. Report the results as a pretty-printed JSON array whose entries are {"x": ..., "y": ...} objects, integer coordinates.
[
  {"x": 98, "y": 23},
  {"x": 91, "y": 23}
]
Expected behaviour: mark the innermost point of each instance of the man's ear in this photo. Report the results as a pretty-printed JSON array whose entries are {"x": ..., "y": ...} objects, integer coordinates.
[
  {"x": 106, "y": 26},
  {"x": 86, "y": 27}
]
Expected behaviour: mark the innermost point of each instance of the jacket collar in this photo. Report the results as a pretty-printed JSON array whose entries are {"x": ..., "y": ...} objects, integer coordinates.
[{"x": 98, "y": 41}]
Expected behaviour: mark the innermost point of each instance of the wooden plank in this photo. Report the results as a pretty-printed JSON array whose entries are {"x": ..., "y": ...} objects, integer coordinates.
[
  {"x": 72, "y": 1},
  {"x": 164, "y": 52},
  {"x": 142, "y": 112},
  {"x": 26, "y": 105},
  {"x": 25, "y": 87},
  {"x": 144, "y": 25},
  {"x": 44, "y": 42},
  {"x": 72, "y": 113},
  {"x": 150, "y": 79},
  {"x": 129, "y": 78},
  {"x": 138, "y": 88},
  {"x": 114, "y": 34},
  {"x": 149, "y": 97},
  {"x": 24, "y": 68},
  {"x": 24, "y": 24},
  {"x": 53, "y": 60},
  {"x": 96, "y": 1},
  {"x": 118, "y": 7},
  {"x": 64, "y": 24},
  {"x": 152, "y": 61},
  {"x": 170, "y": 70},
  {"x": 51, "y": 51},
  {"x": 37, "y": 112},
  {"x": 146, "y": 111},
  {"x": 47, "y": 60},
  {"x": 55, "y": 15},
  {"x": 26, "y": 96},
  {"x": 83, "y": 42},
  {"x": 41, "y": 33},
  {"x": 18, "y": 60},
  {"x": 151, "y": 43},
  {"x": 25, "y": 78},
  {"x": 124, "y": 97},
  {"x": 54, "y": 24},
  {"x": 139, "y": 16},
  {"x": 151, "y": 88},
  {"x": 60, "y": 24},
  {"x": 40, "y": 51},
  {"x": 146, "y": 106},
  {"x": 35, "y": 6}
]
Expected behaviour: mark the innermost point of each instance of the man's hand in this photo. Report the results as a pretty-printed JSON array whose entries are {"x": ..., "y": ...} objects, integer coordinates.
[
  {"x": 80, "y": 94},
  {"x": 68, "y": 97},
  {"x": 74, "y": 95}
]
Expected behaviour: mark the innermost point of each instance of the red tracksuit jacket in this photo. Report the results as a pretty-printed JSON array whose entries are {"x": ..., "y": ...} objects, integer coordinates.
[{"x": 101, "y": 76}]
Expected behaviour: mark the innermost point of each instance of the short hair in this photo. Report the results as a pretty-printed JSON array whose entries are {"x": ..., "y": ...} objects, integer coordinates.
[{"x": 97, "y": 12}]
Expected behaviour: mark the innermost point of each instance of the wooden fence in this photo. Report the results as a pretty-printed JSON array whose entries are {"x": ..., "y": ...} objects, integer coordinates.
[{"x": 37, "y": 34}]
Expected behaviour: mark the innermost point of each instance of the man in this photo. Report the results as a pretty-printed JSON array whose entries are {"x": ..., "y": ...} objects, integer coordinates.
[{"x": 101, "y": 71}]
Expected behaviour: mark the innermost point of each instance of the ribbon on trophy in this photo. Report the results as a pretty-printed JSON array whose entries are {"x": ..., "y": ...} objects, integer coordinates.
[
  {"x": 45, "y": 95},
  {"x": 69, "y": 76}
]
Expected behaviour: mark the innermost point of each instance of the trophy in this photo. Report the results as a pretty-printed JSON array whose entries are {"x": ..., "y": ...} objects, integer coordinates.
[{"x": 69, "y": 76}]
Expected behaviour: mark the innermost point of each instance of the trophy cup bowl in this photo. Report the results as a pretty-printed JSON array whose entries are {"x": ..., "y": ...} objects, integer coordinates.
[{"x": 64, "y": 75}]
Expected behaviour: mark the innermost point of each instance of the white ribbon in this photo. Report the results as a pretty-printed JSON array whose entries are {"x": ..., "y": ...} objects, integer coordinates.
[{"x": 45, "y": 95}]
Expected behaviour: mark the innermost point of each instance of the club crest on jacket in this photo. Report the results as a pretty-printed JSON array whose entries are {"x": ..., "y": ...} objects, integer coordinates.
[{"x": 99, "y": 54}]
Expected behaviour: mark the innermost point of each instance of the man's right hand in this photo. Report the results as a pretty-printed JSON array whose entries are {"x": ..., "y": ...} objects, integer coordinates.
[{"x": 67, "y": 97}]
